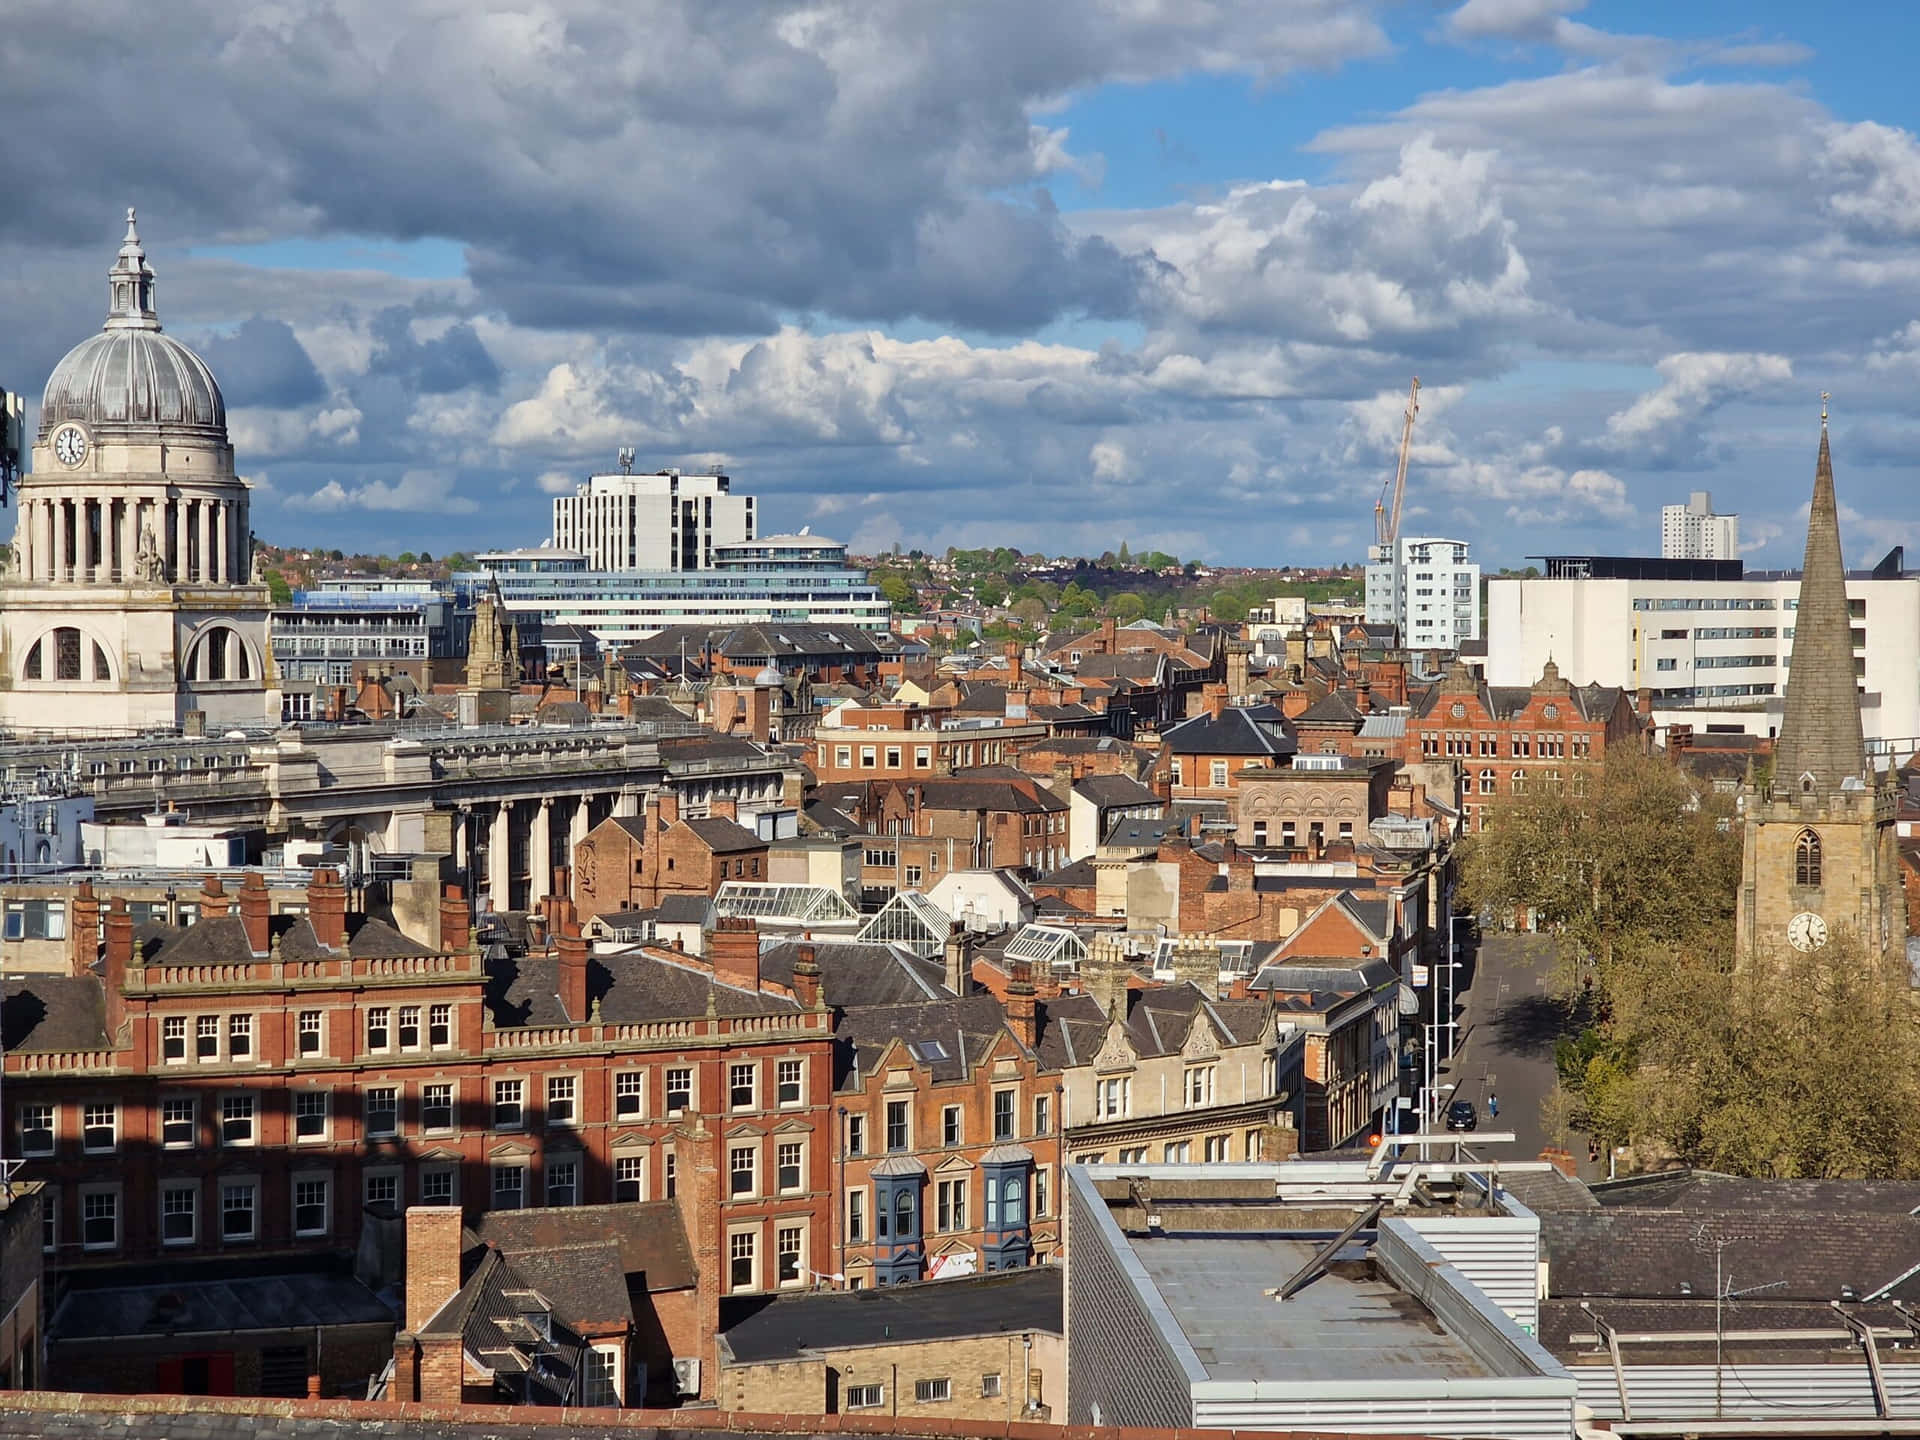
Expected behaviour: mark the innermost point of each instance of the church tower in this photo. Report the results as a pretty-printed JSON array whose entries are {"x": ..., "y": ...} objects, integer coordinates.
[
  {"x": 129, "y": 603},
  {"x": 1819, "y": 848}
]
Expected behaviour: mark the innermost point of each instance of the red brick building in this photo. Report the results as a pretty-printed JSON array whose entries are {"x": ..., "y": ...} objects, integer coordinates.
[
  {"x": 631, "y": 862},
  {"x": 1506, "y": 739},
  {"x": 258, "y": 1083}
]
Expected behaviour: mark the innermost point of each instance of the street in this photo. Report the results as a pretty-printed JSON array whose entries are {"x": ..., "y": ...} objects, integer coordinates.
[{"x": 1508, "y": 1024}]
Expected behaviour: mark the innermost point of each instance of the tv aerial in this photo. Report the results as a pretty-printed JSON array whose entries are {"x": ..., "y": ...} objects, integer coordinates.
[{"x": 626, "y": 459}]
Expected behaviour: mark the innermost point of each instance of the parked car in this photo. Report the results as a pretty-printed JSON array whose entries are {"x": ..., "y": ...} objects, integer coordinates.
[{"x": 1463, "y": 1115}]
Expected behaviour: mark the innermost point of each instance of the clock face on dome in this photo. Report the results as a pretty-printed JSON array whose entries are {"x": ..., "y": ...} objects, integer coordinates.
[
  {"x": 69, "y": 444},
  {"x": 1806, "y": 931}
]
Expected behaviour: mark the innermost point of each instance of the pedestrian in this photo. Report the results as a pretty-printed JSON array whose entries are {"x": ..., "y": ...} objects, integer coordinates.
[{"x": 1493, "y": 1106}]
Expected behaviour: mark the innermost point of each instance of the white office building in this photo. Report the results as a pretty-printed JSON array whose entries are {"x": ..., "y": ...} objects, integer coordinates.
[
  {"x": 1693, "y": 532},
  {"x": 661, "y": 522},
  {"x": 1430, "y": 590},
  {"x": 1711, "y": 651}
]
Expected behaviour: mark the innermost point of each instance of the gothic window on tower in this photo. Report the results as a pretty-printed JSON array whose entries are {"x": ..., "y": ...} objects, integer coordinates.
[{"x": 1806, "y": 859}]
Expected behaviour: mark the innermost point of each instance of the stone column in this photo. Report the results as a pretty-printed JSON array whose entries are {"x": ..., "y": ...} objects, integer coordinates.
[
  {"x": 181, "y": 549},
  {"x": 576, "y": 827},
  {"x": 461, "y": 818},
  {"x": 540, "y": 853},
  {"x": 203, "y": 572},
  {"x": 499, "y": 857}
]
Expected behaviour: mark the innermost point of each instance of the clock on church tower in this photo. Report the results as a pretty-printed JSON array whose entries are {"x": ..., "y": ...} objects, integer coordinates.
[{"x": 1819, "y": 853}]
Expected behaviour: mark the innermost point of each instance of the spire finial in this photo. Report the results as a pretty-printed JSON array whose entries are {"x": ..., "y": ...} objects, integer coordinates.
[
  {"x": 132, "y": 234},
  {"x": 1824, "y": 397}
]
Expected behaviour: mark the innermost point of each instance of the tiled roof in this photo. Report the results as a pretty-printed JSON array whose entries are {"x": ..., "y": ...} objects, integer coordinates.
[
  {"x": 650, "y": 1237},
  {"x": 856, "y": 974},
  {"x": 1006, "y": 1302},
  {"x": 53, "y": 1012},
  {"x": 724, "y": 837},
  {"x": 1630, "y": 1252},
  {"x": 950, "y": 1037},
  {"x": 631, "y": 986},
  {"x": 1251, "y": 730},
  {"x": 1109, "y": 791}
]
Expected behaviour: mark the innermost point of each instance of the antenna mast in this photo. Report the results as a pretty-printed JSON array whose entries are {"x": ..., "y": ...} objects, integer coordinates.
[{"x": 1386, "y": 518}]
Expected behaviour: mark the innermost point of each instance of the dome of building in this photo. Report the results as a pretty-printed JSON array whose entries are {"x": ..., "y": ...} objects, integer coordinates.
[
  {"x": 769, "y": 676},
  {"x": 132, "y": 382}
]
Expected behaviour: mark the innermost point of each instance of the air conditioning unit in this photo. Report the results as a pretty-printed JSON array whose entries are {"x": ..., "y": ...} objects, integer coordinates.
[{"x": 686, "y": 1374}]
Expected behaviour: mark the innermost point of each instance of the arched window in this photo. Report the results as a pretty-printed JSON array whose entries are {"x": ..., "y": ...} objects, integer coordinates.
[
  {"x": 903, "y": 1226},
  {"x": 1519, "y": 782},
  {"x": 1015, "y": 1212},
  {"x": 66, "y": 653},
  {"x": 1806, "y": 859},
  {"x": 1486, "y": 782}
]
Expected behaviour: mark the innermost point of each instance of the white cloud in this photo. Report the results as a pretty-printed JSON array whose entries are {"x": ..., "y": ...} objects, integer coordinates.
[
  {"x": 1693, "y": 384},
  {"x": 416, "y": 490},
  {"x": 1525, "y": 20}
]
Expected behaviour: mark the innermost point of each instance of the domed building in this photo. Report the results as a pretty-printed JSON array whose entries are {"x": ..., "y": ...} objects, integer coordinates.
[{"x": 129, "y": 603}]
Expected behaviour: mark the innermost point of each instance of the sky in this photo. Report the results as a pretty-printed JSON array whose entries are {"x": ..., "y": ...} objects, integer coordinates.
[{"x": 1056, "y": 276}]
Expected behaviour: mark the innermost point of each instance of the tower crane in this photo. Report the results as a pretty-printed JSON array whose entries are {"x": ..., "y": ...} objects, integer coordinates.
[{"x": 1386, "y": 517}]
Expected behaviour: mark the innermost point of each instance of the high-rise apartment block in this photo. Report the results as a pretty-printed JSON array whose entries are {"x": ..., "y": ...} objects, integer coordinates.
[
  {"x": 1693, "y": 532},
  {"x": 665, "y": 521},
  {"x": 1430, "y": 590}
]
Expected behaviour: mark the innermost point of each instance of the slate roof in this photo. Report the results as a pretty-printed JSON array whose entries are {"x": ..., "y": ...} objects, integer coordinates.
[
  {"x": 650, "y": 1237},
  {"x": 1632, "y": 1252},
  {"x": 490, "y": 1319},
  {"x": 858, "y": 974},
  {"x": 1248, "y": 730},
  {"x": 1078, "y": 875},
  {"x": 182, "y": 1296},
  {"x": 222, "y": 939},
  {"x": 1111, "y": 791},
  {"x": 1158, "y": 1021},
  {"x": 1712, "y": 1190},
  {"x": 1544, "y": 1190},
  {"x": 725, "y": 837},
  {"x": 789, "y": 1326},
  {"x": 949, "y": 1037},
  {"x": 53, "y": 1012},
  {"x": 1336, "y": 707},
  {"x": 989, "y": 787},
  {"x": 1328, "y": 983},
  {"x": 631, "y": 986},
  {"x": 681, "y": 749}
]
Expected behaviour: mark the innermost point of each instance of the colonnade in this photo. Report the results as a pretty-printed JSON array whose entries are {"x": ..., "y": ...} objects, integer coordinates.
[
  {"x": 194, "y": 541},
  {"x": 483, "y": 841}
]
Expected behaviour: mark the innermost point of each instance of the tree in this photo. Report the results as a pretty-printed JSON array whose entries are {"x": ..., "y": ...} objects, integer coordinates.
[
  {"x": 407, "y": 557},
  {"x": 1030, "y": 612},
  {"x": 1126, "y": 607},
  {"x": 335, "y": 555},
  {"x": 900, "y": 594},
  {"x": 278, "y": 591},
  {"x": 990, "y": 591},
  {"x": 425, "y": 558},
  {"x": 1124, "y": 557},
  {"x": 1643, "y": 860}
]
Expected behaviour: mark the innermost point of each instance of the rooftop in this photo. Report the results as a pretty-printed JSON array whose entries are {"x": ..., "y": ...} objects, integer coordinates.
[
  {"x": 1349, "y": 1319},
  {"x": 792, "y": 1325}
]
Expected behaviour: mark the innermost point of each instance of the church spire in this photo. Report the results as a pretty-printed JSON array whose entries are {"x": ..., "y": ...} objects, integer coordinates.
[{"x": 1820, "y": 736}]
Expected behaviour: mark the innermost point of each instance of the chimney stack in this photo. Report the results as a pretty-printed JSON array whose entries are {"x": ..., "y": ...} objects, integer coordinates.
[
  {"x": 806, "y": 977},
  {"x": 433, "y": 1261},
  {"x": 1015, "y": 672},
  {"x": 571, "y": 947},
  {"x": 256, "y": 912},
  {"x": 119, "y": 957},
  {"x": 1022, "y": 1010},
  {"x": 327, "y": 908},
  {"x": 959, "y": 971},
  {"x": 456, "y": 925},
  {"x": 85, "y": 933},
  {"x": 734, "y": 949},
  {"x": 213, "y": 899},
  {"x": 1238, "y": 685},
  {"x": 1213, "y": 698}
]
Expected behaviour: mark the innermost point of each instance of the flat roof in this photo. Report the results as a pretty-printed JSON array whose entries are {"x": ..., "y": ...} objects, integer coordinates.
[{"x": 1348, "y": 1321}]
